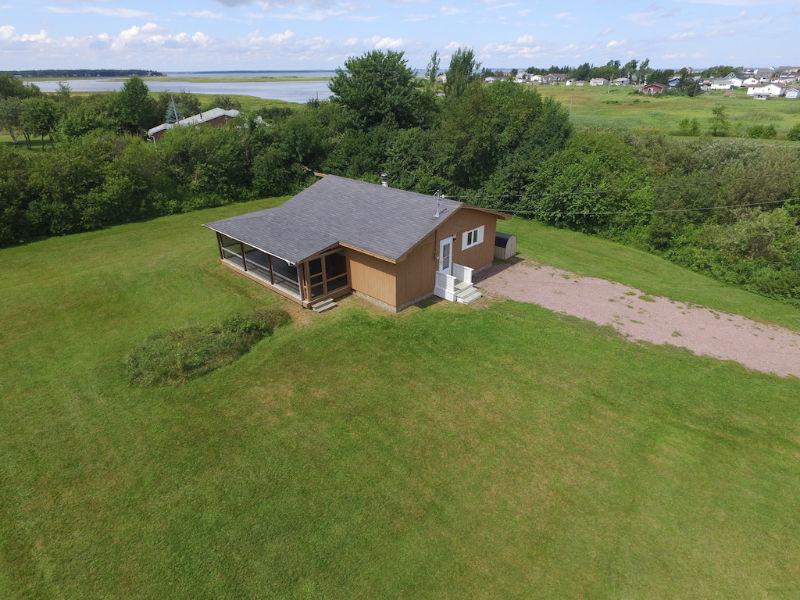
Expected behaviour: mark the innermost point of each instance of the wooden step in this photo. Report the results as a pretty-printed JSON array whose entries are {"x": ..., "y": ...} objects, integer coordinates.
[{"x": 324, "y": 305}]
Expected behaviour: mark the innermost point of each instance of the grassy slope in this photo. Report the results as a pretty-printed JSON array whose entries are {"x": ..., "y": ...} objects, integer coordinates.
[
  {"x": 445, "y": 451},
  {"x": 618, "y": 108}
]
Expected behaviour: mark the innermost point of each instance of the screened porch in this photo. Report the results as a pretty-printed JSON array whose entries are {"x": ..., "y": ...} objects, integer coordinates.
[{"x": 314, "y": 279}]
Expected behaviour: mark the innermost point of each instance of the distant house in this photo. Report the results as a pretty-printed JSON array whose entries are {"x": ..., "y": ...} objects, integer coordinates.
[
  {"x": 793, "y": 93},
  {"x": 771, "y": 90},
  {"x": 392, "y": 247},
  {"x": 653, "y": 89},
  {"x": 538, "y": 79},
  {"x": 490, "y": 79},
  {"x": 598, "y": 81},
  {"x": 674, "y": 81},
  {"x": 554, "y": 78},
  {"x": 750, "y": 82},
  {"x": 722, "y": 83},
  {"x": 216, "y": 117},
  {"x": 621, "y": 81}
]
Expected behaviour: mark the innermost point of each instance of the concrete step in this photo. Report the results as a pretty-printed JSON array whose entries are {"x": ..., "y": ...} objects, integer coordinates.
[
  {"x": 468, "y": 296},
  {"x": 324, "y": 305}
]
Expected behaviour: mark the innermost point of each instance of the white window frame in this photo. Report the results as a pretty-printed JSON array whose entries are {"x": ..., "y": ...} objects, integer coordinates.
[{"x": 472, "y": 238}]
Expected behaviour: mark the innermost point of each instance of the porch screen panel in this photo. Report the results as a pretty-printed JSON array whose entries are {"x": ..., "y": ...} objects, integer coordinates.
[
  {"x": 316, "y": 280},
  {"x": 335, "y": 271}
]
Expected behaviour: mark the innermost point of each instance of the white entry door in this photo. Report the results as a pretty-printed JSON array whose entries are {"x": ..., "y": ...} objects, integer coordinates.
[{"x": 446, "y": 255}]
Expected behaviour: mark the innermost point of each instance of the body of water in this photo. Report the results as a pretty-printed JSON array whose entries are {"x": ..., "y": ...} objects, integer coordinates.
[{"x": 290, "y": 91}]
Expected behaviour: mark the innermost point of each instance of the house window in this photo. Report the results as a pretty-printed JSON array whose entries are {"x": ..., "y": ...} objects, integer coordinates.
[{"x": 471, "y": 238}]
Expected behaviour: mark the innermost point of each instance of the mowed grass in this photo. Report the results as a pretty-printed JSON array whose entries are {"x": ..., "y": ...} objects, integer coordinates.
[
  {"x": 619, "y": 108},
  {"x": 448, "y": 451}
]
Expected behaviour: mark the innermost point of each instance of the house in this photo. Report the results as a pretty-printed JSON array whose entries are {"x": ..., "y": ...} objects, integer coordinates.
[
  {"x": 598, "y": 81},
  {"x": 750, "y": 82},
  {"x": 652, "y": 89},
  {"x": 555, "y": 78},
  {"x": 793, "y": 93},
  {"x": 490, "y": 79},
  {"x": 674, "y": 81},
  {"x": 216, "y": 117},
  {"x": 392, "y": 247},
  {"x": 771, "y": 90},
  {"x": 621, "y": 81},
  {"x": 721, "y": 84}
]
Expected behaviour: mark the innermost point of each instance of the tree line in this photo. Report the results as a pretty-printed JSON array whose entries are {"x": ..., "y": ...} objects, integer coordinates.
[
  {"x": 728, "y": 208},
  {"x": 26, "y": 113}
]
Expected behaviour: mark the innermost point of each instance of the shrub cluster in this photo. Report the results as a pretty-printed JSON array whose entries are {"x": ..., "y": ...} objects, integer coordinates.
[{"x": 179, "y": 355}]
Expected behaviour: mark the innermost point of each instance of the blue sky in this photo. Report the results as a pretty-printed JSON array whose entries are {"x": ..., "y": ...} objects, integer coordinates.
[{"x": 320, "y": 34}]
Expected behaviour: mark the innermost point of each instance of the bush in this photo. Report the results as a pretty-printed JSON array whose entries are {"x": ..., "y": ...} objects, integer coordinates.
[
  {"x": 762, "y": 132},
  {"x": 794, "y": 133},
  {"x": 689, "y": 127},
  {"x": 180, "y": 355}
]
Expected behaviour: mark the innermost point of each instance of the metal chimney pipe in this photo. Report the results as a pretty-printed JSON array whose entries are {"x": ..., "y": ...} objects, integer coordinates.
[{"x": 385, "y": 179}]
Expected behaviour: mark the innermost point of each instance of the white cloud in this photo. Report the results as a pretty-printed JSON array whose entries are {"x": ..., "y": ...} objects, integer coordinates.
[
  {"x": 152, "y": 35},
  {"x": 8, "y": 33},
  {"x": 451, "y": 10},
  {"x": 202, "y": 14},
  {"x": 106, "y": 11},
  {"x": 615, "y": 44},
  {"x": 563, "y": 16},
  {"x": 350, "y": 42},
  {"x": 650, "y": 16},
  {"x": 385, "y": 43},
  {"x": 281, "y": 37}
]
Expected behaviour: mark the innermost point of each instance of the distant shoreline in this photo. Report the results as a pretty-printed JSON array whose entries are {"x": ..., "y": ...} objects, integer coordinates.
[{"x": 177, "y": 76}]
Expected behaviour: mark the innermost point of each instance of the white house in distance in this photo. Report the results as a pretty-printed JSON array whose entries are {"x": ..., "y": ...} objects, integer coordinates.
[
  {"x": 750, "y": 82},
  {"x": 726, "y": 83},
  {"x": 793, "y": 93},
  {"x": 771, "y": 90},
  {"x": 598, "y": 81}
]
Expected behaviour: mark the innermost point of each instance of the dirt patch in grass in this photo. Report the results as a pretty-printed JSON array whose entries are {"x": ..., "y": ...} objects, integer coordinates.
[{"x": 655, "y": 319}]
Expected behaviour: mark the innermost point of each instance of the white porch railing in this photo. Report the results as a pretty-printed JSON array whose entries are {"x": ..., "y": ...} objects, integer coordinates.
[
  {"x": 463, "y": 273},
  {"x": 445, "y": 282}
]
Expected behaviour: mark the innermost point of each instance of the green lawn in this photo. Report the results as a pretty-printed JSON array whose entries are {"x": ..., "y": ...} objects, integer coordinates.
[
  {"x": 619, "y": 108},
  {"x": 447, "y": 451}
]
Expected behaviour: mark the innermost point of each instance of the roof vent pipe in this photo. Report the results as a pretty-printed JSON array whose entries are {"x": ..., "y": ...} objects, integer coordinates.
[
  {"x": 438, "y": 195},
  {"x": 385, "y": 179}
]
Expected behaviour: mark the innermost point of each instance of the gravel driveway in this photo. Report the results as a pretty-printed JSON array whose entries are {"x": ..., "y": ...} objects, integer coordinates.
[{"x": 654, "y": 319}]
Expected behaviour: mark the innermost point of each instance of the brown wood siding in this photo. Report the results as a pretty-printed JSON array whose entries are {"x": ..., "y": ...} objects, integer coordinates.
[
  {"x": 465, "y": 219},
  {"x": 416, "y": 275},
  {"x": 373, "y": 277}
]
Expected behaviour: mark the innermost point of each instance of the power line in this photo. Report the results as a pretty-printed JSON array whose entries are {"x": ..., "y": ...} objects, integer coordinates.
[{"x": 623, "y": 212}]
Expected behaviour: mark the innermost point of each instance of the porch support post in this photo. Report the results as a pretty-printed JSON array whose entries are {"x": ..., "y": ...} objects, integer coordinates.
[
  {"x": 219, "y": 245},
  {"x": 244, "y": 258},
  {"x": 300, "y": 277},
  {"x": 271, "y": 275}
]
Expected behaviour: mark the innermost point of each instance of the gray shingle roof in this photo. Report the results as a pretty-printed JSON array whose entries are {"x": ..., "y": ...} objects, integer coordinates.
[{"x": 383, "y": 221}]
